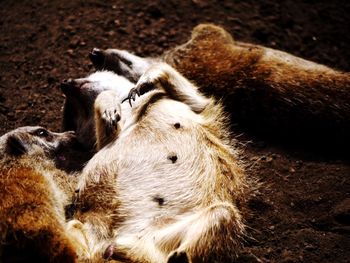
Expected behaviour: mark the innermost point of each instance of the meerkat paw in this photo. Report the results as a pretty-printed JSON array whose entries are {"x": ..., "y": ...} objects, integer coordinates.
[
  {"x": 107, "y": 117},
  {"x": 107, "y": 107},
  {"x": 155, "y": 75},
  {"x": 138, "y": 90},
  {"x": 111, "y": 115}
]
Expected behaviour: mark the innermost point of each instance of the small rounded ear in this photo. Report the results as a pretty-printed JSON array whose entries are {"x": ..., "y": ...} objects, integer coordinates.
[
  {"x": 15, "y": 146},
  {"x": 211, "y": 32}
]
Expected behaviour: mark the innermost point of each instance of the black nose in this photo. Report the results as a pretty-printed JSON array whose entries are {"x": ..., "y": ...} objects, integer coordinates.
[
  {"x": 96, "y": 52},
  {"x": 67, "y": 84},
  {"x": 97, "y": 57}
]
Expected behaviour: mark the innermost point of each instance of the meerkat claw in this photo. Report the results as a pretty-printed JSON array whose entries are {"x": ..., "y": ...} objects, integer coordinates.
[{"x": 132, "y": 95}]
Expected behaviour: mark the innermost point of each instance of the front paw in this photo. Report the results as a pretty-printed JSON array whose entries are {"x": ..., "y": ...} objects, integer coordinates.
[
  {"x": 111, "y": 115},
  {"x": 107, "y": 107},
  {"x": 138, "y": 90},
  {"x": 154, "y": 78}
]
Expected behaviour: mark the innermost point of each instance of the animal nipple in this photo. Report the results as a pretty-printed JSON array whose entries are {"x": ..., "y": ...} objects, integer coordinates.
[
  {"x": 173, "y": 158},
  {"x": 159, "y": 200}
]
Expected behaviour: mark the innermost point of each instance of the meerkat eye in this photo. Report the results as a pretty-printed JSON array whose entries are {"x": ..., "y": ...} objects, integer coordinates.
[{"x": 41, "y": 133}]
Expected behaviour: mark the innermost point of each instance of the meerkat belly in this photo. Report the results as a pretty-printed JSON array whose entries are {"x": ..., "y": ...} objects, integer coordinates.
[{"x": 160, "y": 162}]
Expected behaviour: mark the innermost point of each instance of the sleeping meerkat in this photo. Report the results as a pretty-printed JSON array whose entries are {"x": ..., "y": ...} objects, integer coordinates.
[
  {"x": 167, "y": 185},
  {"x": 270, "y": 92},
  {"x": 80, "y": 95},
  {"x": 33, "y": 196}
]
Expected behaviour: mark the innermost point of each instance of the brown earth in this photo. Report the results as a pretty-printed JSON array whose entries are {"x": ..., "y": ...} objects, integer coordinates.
[{"x": 303, "y": 212}]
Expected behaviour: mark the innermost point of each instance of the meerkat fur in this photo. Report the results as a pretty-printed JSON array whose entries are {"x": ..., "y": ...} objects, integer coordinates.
[
  {"x": 169, "y": 178},
  {"x": 33, "y": 197},
  {"x": 266, "y": 91}
]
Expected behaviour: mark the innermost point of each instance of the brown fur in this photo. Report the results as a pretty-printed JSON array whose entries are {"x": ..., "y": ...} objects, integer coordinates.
[
  {"x": 266, "y": 91},
  {"x": 270, "y": 91},
  {"x": 30, "y": 227},
  {"x": 33, "y": 197},
  {"x": 169, "y": 185}
]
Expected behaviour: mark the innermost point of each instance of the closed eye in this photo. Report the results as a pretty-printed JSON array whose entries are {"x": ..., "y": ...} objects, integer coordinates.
[{"x": 41, "y": 133}]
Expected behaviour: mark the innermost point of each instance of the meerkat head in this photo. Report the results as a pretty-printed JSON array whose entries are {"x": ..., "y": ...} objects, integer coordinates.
[
  {"x": 78, "y": 111},
  {"x": 120, "y": 62},
  {"x": 38, "y": 142}
]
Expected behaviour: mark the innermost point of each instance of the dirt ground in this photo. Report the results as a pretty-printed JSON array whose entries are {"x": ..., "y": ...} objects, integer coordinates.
[{"x": 303, "y": 211}]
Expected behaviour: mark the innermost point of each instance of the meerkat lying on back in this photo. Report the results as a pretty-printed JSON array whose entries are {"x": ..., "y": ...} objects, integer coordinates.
[
  {"x": 80, "y": 96},
  {"x": 170, "y": 181},
  {"x": 269, "y": 91},
  {"x": 33, "y": 196}
]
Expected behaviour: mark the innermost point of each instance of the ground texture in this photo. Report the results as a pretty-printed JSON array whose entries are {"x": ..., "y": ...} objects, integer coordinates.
[{"x": 303, "y": 211}]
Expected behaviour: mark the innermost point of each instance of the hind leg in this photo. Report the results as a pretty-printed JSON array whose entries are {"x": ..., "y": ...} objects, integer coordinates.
[{"x": 209, "y": 235}]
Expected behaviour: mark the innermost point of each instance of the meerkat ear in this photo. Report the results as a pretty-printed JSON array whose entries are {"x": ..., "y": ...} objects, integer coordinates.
[{"x": 15, "y": 146}]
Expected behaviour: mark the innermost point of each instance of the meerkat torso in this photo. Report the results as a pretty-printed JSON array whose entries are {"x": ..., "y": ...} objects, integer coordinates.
[
  {"x": 159, "y": 163},
  {"x": 169, "y": 170}
]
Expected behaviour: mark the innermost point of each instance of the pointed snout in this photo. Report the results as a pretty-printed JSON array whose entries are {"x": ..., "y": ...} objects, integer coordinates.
[
  {"x": 97, "y": 57},
  {"x": 73, "y": 86},
  {"x": 67, "y": 134},
  {"x": 67, "y": 84}
]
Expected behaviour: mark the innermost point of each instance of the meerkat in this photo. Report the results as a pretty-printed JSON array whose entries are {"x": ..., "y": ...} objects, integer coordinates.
[
  {"x": 78, "y": 110},
  {"x": 268, "y": 91},
  {"x": 33, "y": 196},
  {"x": 166, "y": 185}
]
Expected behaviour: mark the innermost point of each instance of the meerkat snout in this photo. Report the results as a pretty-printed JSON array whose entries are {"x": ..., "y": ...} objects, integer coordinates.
[{"x": 97, "y": 57}]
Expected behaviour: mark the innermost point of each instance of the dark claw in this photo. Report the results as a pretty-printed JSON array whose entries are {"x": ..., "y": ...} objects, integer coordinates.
[
  {"x": 134, "y": 92},
  {"x": 132, "y": 95}
]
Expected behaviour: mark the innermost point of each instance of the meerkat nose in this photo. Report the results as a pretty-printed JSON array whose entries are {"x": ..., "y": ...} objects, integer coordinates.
[
  {"x": 95, "y": 51},
  {"x": 96, "y": 56},
  {"x": 67, "y": 84}
]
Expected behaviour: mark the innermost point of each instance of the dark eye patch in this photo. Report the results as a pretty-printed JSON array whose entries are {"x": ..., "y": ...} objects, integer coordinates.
[{"x": 41, "y": 133}]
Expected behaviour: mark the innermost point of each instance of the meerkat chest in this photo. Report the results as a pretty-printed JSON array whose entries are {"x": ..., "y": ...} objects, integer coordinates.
[
  {"x": 158, "y": 162},
  {"x": 166, "y": 129},
  {"x": 157, "y": 158}
]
